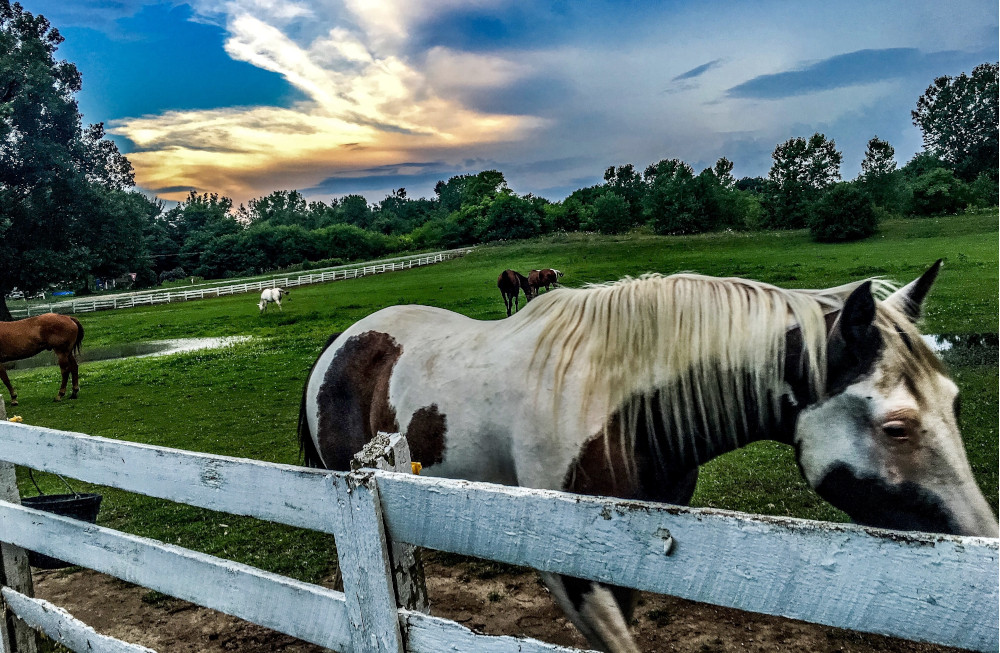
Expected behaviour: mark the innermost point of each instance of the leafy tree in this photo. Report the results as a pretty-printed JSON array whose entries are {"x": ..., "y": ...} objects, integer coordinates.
[
  {"x": 677, "y": 202},
  {"x": 938, "y": 191},
  {"x": 486, "y": 184},
  {"x": 60, "y": 185},
  {"x": 844, "y": 213},
  {"x": 612, "y": 214},
  {"x": 802, "y": 169},
  {"x": 626, "y": 182},
  {"x": 958, "y": 117},
  {"x": 878, "y": 173},
  {"x": 354, "y": 210},
  {"x": 510, "y": 217},
  {"x": 281, "y": 208},
  {"x": 723, "y": 171}
]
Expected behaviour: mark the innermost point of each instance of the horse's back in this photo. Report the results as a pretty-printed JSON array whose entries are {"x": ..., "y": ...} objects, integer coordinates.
[{"x": 27, "y": 337}]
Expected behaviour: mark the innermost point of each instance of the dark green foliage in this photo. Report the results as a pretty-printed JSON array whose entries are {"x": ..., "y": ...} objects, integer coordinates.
[
  {"x": 938, "y": 191},
  {"x": 510, "y": 217},
  {"x": 844, "y": 213},
  {"x": 611, "y": 214},
  {"x": 626, "y": 182},
  {"x": 802, "y": 169},
  {"x": 959, "y": 117},
  {"x": 983, "y": 191},
  {"x": 64, "y": 212},
  {"x": 879, "y": 177}
]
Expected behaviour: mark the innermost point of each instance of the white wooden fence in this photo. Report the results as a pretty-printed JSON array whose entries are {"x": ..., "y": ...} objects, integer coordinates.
[
  {"x": 934, "y": 588},
  {"x": 166, "y": 297}
]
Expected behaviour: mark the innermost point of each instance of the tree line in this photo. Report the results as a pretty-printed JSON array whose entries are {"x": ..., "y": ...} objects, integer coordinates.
[{"x": 68, "y": 211}]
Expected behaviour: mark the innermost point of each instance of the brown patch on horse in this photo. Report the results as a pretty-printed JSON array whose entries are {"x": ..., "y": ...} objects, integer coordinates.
[
  {"x": 604, "y": 467},
  {"x": 425, "y": 435},
  {"x": 354, "y": 397}
]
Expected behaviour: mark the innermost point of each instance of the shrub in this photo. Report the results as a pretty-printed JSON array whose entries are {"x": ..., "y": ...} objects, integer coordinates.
[
  {"x": 611, "y": 214},
  {"x": 938, "y": 191},
  {"x": 843, "y": 213}
]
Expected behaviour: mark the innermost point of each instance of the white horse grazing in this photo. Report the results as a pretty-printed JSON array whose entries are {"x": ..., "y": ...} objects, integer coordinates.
[{"x": 271, "y": 295}]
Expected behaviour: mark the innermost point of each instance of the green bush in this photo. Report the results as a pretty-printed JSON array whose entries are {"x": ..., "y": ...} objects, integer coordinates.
[
  {"x": 983, "y": 191},
  {"x": 938, "y": 191},
  {"x": 611, "y": 214},
  {"x": 843, "y": 213}
]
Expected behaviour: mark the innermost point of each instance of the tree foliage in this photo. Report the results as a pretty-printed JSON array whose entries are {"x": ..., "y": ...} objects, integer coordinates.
[
  {"x": 958, "y": 117},
  {"x": 802, "y": 169},
  {"x": 64, "y": 209},
  {"x": 844, "y": 213}
]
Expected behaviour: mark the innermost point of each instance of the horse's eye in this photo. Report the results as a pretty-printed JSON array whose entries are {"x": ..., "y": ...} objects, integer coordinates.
[{"x": 896, "y": 430}]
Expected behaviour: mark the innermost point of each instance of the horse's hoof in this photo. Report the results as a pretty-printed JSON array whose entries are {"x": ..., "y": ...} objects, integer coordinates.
[
  {"x": 13, "y": 402},
  {"x": 59, "y": 398}
]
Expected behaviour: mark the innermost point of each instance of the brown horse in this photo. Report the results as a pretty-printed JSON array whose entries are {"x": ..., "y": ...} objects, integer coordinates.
[
  {"x": 547, "y": 277},
  {"x": 25, "y": 338},
  {"x": 510, "y": 283}
]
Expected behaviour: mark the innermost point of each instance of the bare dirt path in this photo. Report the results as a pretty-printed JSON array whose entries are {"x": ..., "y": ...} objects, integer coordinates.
[{"x": 490, "y": 598}]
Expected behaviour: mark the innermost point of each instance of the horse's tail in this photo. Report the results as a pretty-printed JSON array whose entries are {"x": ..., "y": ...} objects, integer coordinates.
[
  {"x": 79, "y": 336},
  {"x": 308, "y": 452}
]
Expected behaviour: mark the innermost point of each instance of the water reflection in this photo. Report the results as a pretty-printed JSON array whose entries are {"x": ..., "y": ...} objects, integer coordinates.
[
  {"x": 131, "y": 350},
  {"x": 965, "y": 348}
]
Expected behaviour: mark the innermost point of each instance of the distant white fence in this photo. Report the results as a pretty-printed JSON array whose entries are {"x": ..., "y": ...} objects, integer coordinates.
[
  {"x": 934, "y": 588},
  {"x": 168, "y": 297}
]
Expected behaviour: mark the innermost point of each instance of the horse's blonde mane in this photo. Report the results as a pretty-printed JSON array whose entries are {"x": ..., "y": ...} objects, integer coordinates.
[{"x": 704, "y": 348}]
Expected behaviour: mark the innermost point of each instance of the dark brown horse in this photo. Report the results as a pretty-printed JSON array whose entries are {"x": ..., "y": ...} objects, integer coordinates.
[
  {"x": 25, "y": 338},
  {"x": 543, "y": 278},
  {"x": 510, "y": 283}
]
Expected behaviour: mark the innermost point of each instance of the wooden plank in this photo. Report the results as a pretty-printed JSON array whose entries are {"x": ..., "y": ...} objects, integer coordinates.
[
  {"x": 283, "y": 493},
  {"x": 427, "y": 634},
  {"x": 390, "y": 452},
  {"x": 64, "y": 628},
  {"x": 935, "y": 588},
  {"x": 15, "y": 636},
  {"x": 309, "y": 612},
  {"x": 364, "y": 562}
]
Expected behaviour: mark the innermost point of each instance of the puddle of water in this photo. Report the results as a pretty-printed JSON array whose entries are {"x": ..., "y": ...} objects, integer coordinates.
[
  {"x": 965, "y": 348},
  {"x": 132, "y": 350}
]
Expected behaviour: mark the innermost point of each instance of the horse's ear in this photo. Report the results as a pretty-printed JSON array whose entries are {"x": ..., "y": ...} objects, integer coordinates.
[
  {"x": 910, "y": 297},
  {"x": 854, "y": 341}
]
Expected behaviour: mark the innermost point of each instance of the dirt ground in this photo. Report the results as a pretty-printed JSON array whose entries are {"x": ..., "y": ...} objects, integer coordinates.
[{"x": 486, "y": 597}]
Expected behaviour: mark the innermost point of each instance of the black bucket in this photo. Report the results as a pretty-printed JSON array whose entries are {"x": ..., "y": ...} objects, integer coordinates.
[{"x": 78, "y": 506}]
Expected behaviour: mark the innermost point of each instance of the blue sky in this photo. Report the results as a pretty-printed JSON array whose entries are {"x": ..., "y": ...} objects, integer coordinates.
[{"x": 333, "y": 97}]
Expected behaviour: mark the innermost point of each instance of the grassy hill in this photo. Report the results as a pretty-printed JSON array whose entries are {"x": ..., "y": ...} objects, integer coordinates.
[{"x": 243, "y": 400}]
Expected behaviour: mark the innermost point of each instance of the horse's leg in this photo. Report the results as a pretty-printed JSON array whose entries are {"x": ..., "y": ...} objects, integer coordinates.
[
  {"x": 600, "y": 611},
  {"x": 278, "y": 302},
  {"x": 63, "y": 358},
  {"x": 6, "y": 382},
  {"x": 74, "y": 368}
]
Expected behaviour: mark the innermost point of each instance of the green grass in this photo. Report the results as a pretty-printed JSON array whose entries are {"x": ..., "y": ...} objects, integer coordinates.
[{"x": 243, "y": 400}]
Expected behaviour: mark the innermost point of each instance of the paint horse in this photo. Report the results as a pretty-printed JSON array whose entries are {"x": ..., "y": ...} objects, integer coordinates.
[
  {"x": 543, "y": 278},
  {"x": 625, "y": 389},
  {"x": 510, "y": 283},
  {"x": 25, "y": 338},
  {"x": 271, "y": 295}
]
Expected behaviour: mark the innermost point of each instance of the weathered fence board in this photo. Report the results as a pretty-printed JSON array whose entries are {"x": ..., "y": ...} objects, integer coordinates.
[
  {"x": 293, "y": 496},
  {"x": 426, "y": 634},
  {"x": 64, "y": 628},
  {"x": 14, "y": 572},
  {"x": 842, "y": 575},
  {"x": 309, "y": 612}
]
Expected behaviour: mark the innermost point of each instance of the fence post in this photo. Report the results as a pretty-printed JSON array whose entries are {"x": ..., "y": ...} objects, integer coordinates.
[
  {"x": 363, "y": 556},
  {"x": 15, "y": 635},
  {"x": 390, "y": 452}
]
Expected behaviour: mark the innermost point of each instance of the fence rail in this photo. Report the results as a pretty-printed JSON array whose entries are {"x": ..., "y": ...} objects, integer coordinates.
[
  {"x": 936, "y": 588},
  {"x": 167, "y": 297}
]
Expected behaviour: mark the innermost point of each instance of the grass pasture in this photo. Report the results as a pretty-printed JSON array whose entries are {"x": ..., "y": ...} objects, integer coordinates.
[{"x": 243, "y": 400}]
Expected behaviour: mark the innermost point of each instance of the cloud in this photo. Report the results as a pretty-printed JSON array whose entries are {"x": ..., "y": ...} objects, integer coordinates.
[
  {"x": 365, "y": 105},
  {"x": 697, "y": 71},
  {"x": 844, "y": 70}
]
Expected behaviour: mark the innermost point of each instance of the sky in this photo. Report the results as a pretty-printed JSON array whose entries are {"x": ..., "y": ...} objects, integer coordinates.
[{"x": 334, "y": 97}]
